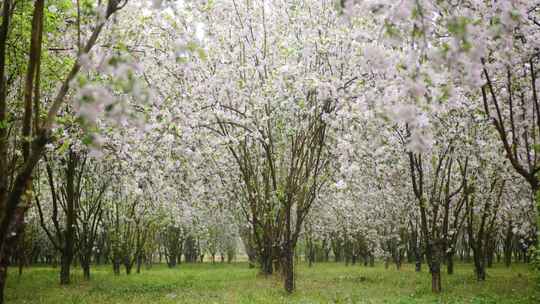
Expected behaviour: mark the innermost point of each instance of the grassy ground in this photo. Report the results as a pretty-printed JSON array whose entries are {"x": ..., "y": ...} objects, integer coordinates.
[{"x": 235, "y": 283}]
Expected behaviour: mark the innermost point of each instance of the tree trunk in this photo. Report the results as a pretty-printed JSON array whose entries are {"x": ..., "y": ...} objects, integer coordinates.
[
  {"x": 479, "y": 263},
  {"x": 116, "y": 266},
  {"x": 490, "y": 252},
  {"x": 417, "y": 259},
  {"x": 288, "y": 267},
  {"x": 398, "y": 259},
  {"x": 507, "y": 258},
  {"x": 507, "y": 248},
  {"x": 86, "y": 271},
  {"x": 21, "y": 265},
  {"x": 489, "y": 259},
  {"x": 171, "y": 261},
  {"x": 139, "y": 263},
  {"x": 480, "y": 271},
  {"x": 276, "y": 258},
  {"x": 436, "y": 286},
  {"x": 85, "y": 259},
  {"x": 266, "y": 262},
  {"x": 252, "y": 256},
  {"x": 128, "y": 264},
  {"x": 435, "y": 267},
  {"x": 450, "y": 262},
  {"x": 65, "y": 265},
  {"x": 71, "y": 214},
  {"x": 467, "y": 254},
  {"x": 310, "y": 252},
  {"x": 3, "y": 277},
  {"x": 97, "y": 258},
  {"x": 337, "y": 255},
  {"x": 327, "y": 255}
]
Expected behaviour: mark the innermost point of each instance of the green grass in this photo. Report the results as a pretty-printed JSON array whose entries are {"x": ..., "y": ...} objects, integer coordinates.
[{"x": 236, "y": 283}]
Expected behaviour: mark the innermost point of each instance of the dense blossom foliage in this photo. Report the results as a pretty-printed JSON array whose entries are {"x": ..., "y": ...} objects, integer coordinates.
[{"x": 357, "y": 129}]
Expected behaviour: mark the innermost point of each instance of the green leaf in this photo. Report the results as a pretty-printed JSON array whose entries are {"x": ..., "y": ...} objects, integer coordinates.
[
  {"x": 87, "y": 140},
  {"x": 63, "y": 148}
]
